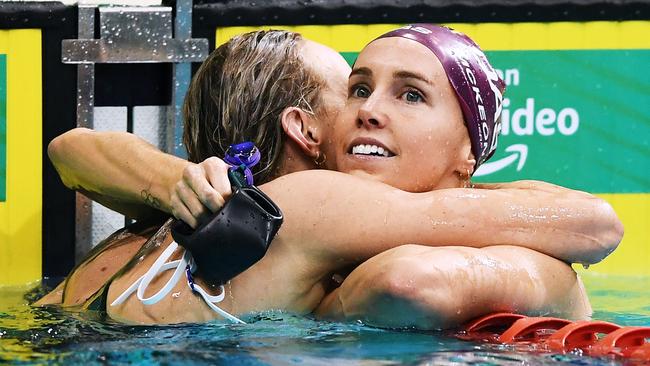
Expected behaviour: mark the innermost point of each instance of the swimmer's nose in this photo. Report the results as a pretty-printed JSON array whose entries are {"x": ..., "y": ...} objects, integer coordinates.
[{"x": 371, "y": 114}]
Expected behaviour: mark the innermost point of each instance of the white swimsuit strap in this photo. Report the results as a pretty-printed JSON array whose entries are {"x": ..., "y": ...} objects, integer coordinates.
[
  {"x": 129, "y": 291},
  {"x": 161, "y": 265},
  {"x": 155, "y": 269},
  {"x": 210, "y": 300},
  {"x": 212, "y": 304}
]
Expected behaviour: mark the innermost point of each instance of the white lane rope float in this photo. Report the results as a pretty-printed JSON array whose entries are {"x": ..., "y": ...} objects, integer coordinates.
[{"x": 184, "y": 265}]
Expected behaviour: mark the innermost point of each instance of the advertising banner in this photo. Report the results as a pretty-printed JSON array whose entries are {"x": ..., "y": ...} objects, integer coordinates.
[
  {"x": 576, "y": 110},
  {"x": 21, "y": 186},
  {"x": 578, "y": 118},
  {"x": 3, "y": 128}
]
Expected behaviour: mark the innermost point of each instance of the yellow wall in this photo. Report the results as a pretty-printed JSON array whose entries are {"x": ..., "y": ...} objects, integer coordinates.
[
  {"x": 20, "y": 214},
  {"x": 632, "y": 257},
  {"x": 491, "y": 36}
]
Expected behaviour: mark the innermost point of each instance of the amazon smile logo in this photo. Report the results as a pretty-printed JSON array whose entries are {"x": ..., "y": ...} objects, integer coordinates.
[{"x": 519, "y": 155}]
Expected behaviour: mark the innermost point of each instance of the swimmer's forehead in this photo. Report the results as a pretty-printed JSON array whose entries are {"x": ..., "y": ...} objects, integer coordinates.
[{"x": 404, "y": 58}]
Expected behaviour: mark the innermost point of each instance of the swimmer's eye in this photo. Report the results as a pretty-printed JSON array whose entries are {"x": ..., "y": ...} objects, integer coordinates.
[
  {"x": 413, "y": 96},
  {"x": 360, "y": 91}
]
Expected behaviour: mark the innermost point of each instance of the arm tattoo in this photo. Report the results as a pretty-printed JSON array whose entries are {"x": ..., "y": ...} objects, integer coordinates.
[{"x": 150, "y": 199}]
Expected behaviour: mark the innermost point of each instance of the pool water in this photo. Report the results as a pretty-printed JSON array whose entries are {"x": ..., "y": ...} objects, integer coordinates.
[{"x": 51, "y": 336}]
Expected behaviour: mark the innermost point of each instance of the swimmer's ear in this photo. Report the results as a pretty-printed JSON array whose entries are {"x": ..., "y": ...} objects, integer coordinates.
[
  {"x": 466, "y": 168},
  {"x": 301, "y": 128}
]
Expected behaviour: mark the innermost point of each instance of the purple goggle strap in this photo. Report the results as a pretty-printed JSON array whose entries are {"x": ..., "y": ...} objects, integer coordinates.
[{"x": 243, "y": 157}]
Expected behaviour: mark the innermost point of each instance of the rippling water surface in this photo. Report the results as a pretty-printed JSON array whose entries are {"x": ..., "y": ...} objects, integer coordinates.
[{"x": 52, "y": 336}]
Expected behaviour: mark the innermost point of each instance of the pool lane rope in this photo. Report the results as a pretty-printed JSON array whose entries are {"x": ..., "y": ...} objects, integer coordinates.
[{"x": 593, "y": 337}]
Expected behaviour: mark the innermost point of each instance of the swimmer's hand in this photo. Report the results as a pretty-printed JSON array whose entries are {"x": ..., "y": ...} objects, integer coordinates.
[{"x": 203, "y": 190}]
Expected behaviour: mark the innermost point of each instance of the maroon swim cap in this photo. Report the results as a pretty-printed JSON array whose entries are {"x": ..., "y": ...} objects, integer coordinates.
[{"x": 478, "y": 87}]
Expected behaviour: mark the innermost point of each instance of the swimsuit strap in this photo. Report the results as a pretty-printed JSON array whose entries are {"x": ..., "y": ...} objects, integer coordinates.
[
  {"x": 97, "y": 301},
  {"x": 185, "y": 264}
]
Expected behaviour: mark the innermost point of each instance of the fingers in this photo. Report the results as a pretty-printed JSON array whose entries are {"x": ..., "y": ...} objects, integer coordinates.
[
  {"x": 181, "y": 212},
  {"x": 191, "y": 202},
  {"x": 200, "y": 179},
  {"x": 217, "y": 173},
  {"x": 201, "y": 191}
]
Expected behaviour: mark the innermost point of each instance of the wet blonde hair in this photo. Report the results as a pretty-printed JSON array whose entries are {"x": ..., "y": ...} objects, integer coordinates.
[{"x": 239, "y": 93}]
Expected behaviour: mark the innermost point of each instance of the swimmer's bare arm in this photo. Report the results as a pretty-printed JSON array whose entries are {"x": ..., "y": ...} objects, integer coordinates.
[
  {"x": 569, "y": 225},
  {"x": 348, "y": 219},
  {"x": 124, "y": 172},
  {"x": 127, "y": 174},
  {"x": 429, "y": 288}
]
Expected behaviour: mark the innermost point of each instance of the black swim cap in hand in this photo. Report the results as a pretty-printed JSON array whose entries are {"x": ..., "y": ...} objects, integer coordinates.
[{"x": 237, "y": 236}]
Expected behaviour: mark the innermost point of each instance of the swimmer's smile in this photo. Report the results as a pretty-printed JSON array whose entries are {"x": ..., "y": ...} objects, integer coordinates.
[{"x": 369, "y": 148}]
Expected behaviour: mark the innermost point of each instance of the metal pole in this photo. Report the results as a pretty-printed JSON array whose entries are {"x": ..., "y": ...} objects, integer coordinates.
[
  {"x": 85, "y": 106},
  {"x": 131, "y": 35},
  {"x": 181, "y": 81}
]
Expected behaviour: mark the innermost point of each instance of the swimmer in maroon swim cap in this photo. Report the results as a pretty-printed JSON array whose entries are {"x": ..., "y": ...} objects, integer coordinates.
[
  {"x": 477, "y": 85},
  {"x": 418, "y": 110}
]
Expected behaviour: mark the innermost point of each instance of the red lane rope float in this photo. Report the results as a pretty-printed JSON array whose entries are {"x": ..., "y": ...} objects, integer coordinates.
[
  {"x": 561, "y": 335},
  {"x": 487, "y": 328},
  {"x": 491, "y": 321},
  {"x": 641, "y": 353},
  {"x": 581, "y": 334},
  {"x": 533, "y": 329},
  {"x": 622, "y": 342}
]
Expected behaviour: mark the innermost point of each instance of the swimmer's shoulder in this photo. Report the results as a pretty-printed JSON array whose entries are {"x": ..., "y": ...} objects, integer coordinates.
[{"x": 105, "y": 260}]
